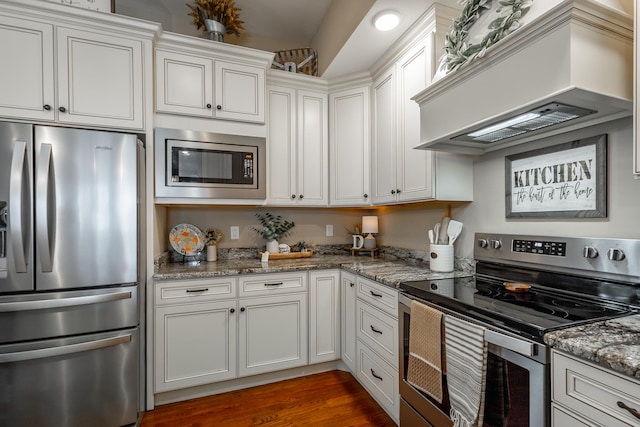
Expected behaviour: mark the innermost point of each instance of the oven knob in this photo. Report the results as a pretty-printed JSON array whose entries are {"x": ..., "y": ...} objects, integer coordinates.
[
  {"x": 589, "y": 252},
  {"x": 615, "y": 254},
  {"x": 496, "y": 244},
  {"x": 483, "y": 243}
]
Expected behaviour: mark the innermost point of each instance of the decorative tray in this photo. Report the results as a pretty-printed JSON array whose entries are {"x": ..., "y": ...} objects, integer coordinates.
[{"x": 289, "y": 255}]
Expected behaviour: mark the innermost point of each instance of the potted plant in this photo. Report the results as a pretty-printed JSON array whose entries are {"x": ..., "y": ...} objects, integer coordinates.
[
  {"x": 211, "y": 238},
  {"x": 216, "y": 16},
  {"x": 273, "y": 228}
]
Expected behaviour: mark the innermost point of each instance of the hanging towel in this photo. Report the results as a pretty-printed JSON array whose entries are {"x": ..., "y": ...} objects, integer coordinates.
[
  {"x": 425, "y": 350},
  {"x": 466, "y": 352}
]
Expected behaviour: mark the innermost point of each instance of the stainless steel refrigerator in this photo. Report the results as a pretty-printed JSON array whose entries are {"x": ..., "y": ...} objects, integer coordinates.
[{"x": 69, "y": 313}]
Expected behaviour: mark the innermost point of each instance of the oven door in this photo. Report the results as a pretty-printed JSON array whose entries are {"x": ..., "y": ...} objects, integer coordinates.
[{"x": 517, "y": 388}]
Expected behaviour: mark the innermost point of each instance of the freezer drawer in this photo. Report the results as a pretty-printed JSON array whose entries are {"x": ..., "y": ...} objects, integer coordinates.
[
  {"x": 90, "y": 380},
  {"x": 56, "y": 314}
]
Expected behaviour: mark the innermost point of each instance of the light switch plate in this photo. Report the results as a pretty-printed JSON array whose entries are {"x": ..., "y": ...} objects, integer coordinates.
[
  {"x": 329, "y": 230},
  {"x": 235, "y": 232}
]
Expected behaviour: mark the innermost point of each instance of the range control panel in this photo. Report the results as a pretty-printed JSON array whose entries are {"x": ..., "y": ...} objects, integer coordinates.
[
  {"x": 540, "y": 247},
  {"x": 604, "y": 257}
]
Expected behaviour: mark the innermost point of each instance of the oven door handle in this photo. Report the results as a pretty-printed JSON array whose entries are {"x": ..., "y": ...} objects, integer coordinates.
[{"x": 510, "y": 343}]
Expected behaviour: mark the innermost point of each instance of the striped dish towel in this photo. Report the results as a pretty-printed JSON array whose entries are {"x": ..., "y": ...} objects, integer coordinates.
[{"x": 466, "y": 361}]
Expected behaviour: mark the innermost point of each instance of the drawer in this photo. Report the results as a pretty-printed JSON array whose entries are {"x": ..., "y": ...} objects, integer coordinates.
[
  {"x": 379, "y": 331},
  {"x": 379, "y": 378},
  {"x": 379, "y": 296},
  {"x": 594, "y": 391},
  {"x": 183, "y": 291},
  {"x": 270, "y": 284},
  {"x": 562, "y": 417}
]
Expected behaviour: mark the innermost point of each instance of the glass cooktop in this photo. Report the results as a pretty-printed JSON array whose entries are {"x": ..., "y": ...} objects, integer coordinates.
[{"x": 533, "y": 312}]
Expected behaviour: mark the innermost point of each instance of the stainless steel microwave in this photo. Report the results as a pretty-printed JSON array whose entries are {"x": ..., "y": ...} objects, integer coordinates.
[{"x": 195, "y": 164}]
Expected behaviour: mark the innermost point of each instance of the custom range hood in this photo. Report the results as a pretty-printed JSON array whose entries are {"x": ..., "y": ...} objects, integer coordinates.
[{"x": 570, "y": 67}]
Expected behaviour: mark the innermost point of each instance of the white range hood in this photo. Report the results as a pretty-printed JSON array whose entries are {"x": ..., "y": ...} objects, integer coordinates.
[{"x": 568, "y": 68}]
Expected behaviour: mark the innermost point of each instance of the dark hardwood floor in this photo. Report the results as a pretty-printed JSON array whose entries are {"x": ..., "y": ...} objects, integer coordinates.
[{"x": 332, "y": 398}]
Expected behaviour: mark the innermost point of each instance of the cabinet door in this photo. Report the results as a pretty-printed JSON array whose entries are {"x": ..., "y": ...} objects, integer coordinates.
[
  {"x": 636, "y": 94},
  {"x": 99, "y": 79},
  {"x": 184, "y": 84},
  {"x": 414, "y": 167},
  {"x": 239, "y": 92},
  {"x": 26, "y": 73},
  {"x": 348, "y": 288},
  {"x": 350, "y": 146},
  {"x": 313, "y": 149},
  {"x": 281, "y": 145},
  {"x": 384, "y": 139},
  {"x": 324, "y": 316},
  {"x": 273, "y": 333},
  {"x": 195, "y": 344}
]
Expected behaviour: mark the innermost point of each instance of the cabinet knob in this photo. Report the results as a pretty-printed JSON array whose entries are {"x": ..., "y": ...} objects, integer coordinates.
[
  {"x": 293, "y": 196},
  {"x": 366, "y": 195},
  {"x": 301, "y": 196},
  {"x": 615, "y": 254},
  {"x": 393, "y": 191},
  {"x": 242, "y": 309},
  {"x": 589, "y": 252},
  {"x": 209, "y": 106},
  {"x": 62, "y": 109},
  {"x": 351, "y": 284},
  {"x": 47, "y": 107},
  {"x": 232, "y": 310},
  {"x": 398, "y": 191},
  {"x": 218, "y": 107}
]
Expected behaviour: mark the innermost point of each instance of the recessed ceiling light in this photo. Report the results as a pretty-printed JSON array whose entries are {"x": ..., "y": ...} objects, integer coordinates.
[{"x": 386, "y": 20}]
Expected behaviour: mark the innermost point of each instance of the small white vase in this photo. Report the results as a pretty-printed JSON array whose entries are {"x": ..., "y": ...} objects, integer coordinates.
[
  {"x": 273, "y": 246},
  {"x": 212, "y": 253}
]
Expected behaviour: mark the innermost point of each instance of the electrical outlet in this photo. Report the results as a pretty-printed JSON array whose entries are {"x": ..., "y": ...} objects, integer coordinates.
[
  {"x": 329, "y": 230},
  {"x": 235, "y": 232}
]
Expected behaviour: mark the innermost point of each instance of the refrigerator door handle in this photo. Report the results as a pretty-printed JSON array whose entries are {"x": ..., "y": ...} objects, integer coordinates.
[
  {"x": 20, "y": 356},
  {"x": 43, "y": 238},
  {"x": 16, "y": 208},
  {"x": 48, "y": 303}
]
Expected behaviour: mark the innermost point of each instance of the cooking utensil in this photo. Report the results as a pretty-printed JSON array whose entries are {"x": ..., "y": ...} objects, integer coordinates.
[
  {"x": 436, "y": 233},
  {"x": 454, "y": 230},
  {"x": 431, "y": 236},
  {"x": 444, "y": 225}
]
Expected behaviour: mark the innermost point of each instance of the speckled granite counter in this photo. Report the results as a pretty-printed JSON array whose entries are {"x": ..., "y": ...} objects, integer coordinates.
[
  {"x": 384, "y": 270},
  {"x": 614, "y": 344}
]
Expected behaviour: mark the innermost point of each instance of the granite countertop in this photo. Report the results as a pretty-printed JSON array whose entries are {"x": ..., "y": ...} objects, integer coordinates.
[
  {"x": 614, "y": 344},
  {"x": 386, "y": 270}
]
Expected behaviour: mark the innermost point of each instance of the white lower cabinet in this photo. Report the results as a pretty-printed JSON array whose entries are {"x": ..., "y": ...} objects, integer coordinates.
[
  {"x": 324, "y": 316},
  {"x": 348, "y": 311},
  {"x": 585, "y": 394},
  {"x": 272, "y": 333},
  {"x": 211, "y": 330},
  {"x": 195, "y": 344},
  {"x": 376, "y": 324}
]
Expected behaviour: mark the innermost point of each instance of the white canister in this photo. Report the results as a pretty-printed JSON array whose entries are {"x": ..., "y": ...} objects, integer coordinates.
[{"x": 441, "y": 258}]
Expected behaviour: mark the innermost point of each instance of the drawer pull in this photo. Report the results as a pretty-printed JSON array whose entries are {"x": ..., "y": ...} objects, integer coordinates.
[
  {"x": 632, "y": 411},
  {"x": 274, "y": 284},
  {"x": 351, "y": 284},
  {"x": 376, "y": 295},
  {"x": 375, "y": 330},
  {"x": 195, "y": 291},
  {"x": 376, "y": 376}
]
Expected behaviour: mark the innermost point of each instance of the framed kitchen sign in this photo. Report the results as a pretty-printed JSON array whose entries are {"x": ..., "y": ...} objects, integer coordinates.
[{"x": 563, "y": 181}]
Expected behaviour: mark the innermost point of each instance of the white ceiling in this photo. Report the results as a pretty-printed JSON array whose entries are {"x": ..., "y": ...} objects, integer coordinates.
[{"x": 273, "y": 25}]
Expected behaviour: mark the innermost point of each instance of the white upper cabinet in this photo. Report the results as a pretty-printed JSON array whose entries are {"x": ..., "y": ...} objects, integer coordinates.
[
  {"x": 71, "y": 73},
  {"x": 349, "y": 147},
  {"x": 201, "y": 78},
  {"x": 26, "y": 75},
  {"x": 297, "y": 144},
  {"x": 401, "y": 173},
  {"x": 636, "y": 69},
  {"x": 99, "y": 79}
]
